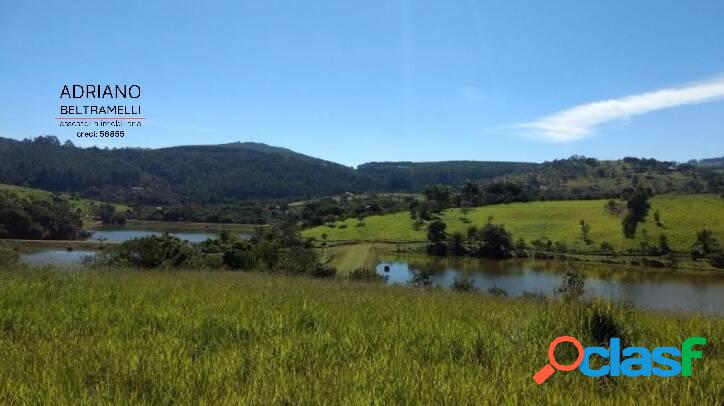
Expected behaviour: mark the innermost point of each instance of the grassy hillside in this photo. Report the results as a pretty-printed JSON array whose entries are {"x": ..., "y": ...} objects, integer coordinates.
[
  {"x": 346, "y": 258},
  {"x": 85, "y": 205},
  {"x": 199, "y": 337},
  {"x": 681, "y": 216}
]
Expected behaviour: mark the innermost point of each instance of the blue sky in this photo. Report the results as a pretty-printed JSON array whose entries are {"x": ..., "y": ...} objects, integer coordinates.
[{"x": 383, "y": 80}]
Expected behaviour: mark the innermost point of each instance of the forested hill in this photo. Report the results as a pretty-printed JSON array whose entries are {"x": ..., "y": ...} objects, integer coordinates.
[
  {"x": 171, "y": 175},
  {"x": 244, "y": 171},
  {"x": 227, "y": 172},
  {"x": 579, "y": 177},
  {"x": 414, "y": 176}
]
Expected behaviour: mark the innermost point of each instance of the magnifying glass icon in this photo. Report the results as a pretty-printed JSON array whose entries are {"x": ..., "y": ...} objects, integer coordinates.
[{"x": 548, "y": 370}]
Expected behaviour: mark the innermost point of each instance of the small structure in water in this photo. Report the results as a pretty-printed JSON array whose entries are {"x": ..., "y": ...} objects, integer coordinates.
[{"x": 387, "y": 268}]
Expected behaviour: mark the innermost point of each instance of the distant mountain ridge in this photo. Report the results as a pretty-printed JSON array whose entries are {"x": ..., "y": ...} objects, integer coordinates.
[
  {"x": 247, "y": 171},
  {"x": 212, "y": 173}
]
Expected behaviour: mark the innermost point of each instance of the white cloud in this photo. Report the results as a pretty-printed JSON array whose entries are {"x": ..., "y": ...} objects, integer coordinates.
[{"x": 580, "y": 121}]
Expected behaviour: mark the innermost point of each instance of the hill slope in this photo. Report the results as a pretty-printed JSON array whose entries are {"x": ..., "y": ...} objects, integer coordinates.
[
  {"x": 554, "y": 220},
  {"x": 86, "y": 206}
]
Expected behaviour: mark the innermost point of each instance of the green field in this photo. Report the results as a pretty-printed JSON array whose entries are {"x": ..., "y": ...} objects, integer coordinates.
[
  {"x": 129, "y": 337},
  {"x": 346, "y": 258},
  {"x": 86, "y": 205},
  {"x": 681, "y": 216}
]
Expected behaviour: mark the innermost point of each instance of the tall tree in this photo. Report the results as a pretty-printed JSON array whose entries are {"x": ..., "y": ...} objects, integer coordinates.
[
  {"x": 436, "y": 237},
  {"x": 638, "y": 207}
]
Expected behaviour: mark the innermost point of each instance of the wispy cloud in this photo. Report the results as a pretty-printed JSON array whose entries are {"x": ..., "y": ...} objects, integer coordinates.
[{"x": 581, "y": 121}]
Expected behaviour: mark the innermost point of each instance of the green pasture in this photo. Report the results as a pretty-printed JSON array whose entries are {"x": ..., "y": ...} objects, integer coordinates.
[{"x": 681, "y": 217}]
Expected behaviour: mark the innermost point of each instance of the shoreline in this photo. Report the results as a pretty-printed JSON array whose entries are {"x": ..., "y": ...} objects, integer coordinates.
[
  {"x": 23, "y": 245},
  {"x": 616, "y": 263},
  {"x": 180, "y": 225}
]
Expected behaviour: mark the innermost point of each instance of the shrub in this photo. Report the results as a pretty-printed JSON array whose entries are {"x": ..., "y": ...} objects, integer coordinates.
[
  {"x": 534, "y": 295},
  {"x": 717, "y": 261},
  {"x": 8, "y": 255},
  {"x": 239, "y": 259},
  {"x": 607, "y": 248},
  {"x": 206, "y": 262},
  {"x": 572, "y": 285},
  {"x": 436, "y": 237},
  {"x": 365, "y": 275},
  {"x": 539, "y": 245},
  {"x": 586, "y": 232},
  {"x": 653, "y": 263},
  {"x": 520, "y": 244},
  {"x": 421, "y": 278},
  {"x": 457, "y": 243},
  {"x": 664, "y": 247},
  {"x": 560, "y": 246},
  {"x": 268, "y": 252},
  {"x": 322, "y": 271},
  {"x": 497, "y": 292},
  {"x": 38, "y": 218},
  {"x": 705, "y": 245},
  {"x": 494, "y": 242},
  {"x": 601, "y": 323},
  {"x": 153, "y": 251},
  {"x": 299, "y": 260},
  {"x": 463, "y": 284}
]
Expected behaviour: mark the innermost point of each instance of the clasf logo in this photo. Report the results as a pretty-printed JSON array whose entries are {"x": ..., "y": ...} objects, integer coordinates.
[{"x": 632, "y": 361}]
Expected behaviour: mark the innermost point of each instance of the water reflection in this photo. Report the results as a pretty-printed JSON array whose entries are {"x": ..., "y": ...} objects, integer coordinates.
[
  {"x": 57, "y": 257},
  {"x": 663, "y": 290},
  {"x": 120, "y": 234}
]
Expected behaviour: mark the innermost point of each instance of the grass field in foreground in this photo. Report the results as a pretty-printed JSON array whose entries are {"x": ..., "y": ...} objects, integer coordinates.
[
  {"x": 201, "y": 337},
  {"x": 681, "y": 216}
]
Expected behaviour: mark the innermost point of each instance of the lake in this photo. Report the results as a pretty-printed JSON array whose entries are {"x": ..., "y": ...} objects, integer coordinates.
[
  {"x": 116, "y": 234},
  {"x": 56, "y": 257},
  {"x": 124, "y": 233},
  {"x": 651, "y": 289}
]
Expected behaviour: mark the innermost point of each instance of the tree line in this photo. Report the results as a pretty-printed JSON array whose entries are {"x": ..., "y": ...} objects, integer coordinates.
[
  {"x": 39, "y": 218},
  {"x": 273, "y": 249}
]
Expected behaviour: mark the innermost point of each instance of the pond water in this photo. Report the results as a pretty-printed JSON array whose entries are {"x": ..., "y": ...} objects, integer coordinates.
[
  {"x": 124, "y": 233},
  {"x": 660, "y": 290},
  {"x": 115, "y": 234},
  {"x": 651, "y": 289},
  {"x": 56, "y": 257}
]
